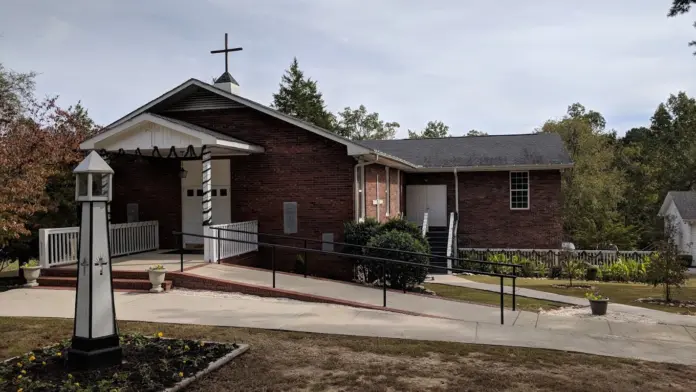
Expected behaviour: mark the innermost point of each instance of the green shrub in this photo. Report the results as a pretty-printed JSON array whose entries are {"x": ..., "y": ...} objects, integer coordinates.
[
  {"x": 359, "y": 234},
  {"x": 555, "y": 271},
  {"x": 619, "y": 271},
  {"x": 399, "y": 276},
  {"x": 404, "y": 226},
  {"x": 499, "y": 258}
]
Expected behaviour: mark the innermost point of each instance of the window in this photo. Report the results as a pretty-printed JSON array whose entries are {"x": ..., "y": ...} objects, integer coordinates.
[
  {"x": 199, "y": 192},
  {"x": 214, "y": 191},
  {"x": 223, "y": 192},
  {"x": 189, "y": 192},
  {"x": 519, "y": 190}
]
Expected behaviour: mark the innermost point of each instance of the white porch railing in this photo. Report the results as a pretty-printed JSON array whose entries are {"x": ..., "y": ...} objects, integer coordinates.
[
  {"x": 424, "y": 227},
  {"x": 218, "y": 249},
  {"x": 552, "y": 256},
  {"x": 129, "y": 238},
  {"x": 59, "y": 246}
]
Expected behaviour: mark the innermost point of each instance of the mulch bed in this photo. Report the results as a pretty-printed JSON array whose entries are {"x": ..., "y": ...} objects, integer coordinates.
[
  {"x": 574, "y": 286},
  {"x": 149, "y": 364},
  {"x": 675, "y": 303}
]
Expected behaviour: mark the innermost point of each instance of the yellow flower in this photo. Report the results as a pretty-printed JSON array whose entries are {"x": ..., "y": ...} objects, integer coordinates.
[
  {"x": 32, "y": 358},
  {"x": 186, "y": 348},
  {"x": 160, "y": 334},
  {"x": 59, "y": 354},
  {"x": 169, "y": 347},
  {"x": 77, "y": 384},
  {"x": 181, "y": 374},
  {"x": 43, "y": 363},
  {"x": 23, "y": 372},
  {"x": 70, "y": 376},
  {"x": 19, "y": 364},
  {"x": 19, "y": 377},
  {"x": 20, "y": 390},
  {"x": 202, "y": 344}
]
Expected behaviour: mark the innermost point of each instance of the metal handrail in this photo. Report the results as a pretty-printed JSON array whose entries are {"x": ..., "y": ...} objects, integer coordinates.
[
  {"x": 514, "y": 266},
  {"x": 383, "y": 260}
]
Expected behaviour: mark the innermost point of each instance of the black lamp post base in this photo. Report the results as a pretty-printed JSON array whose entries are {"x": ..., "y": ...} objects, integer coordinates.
[
  {"x": 94, "y": 353},
  {"x": 106, "y": 357}
]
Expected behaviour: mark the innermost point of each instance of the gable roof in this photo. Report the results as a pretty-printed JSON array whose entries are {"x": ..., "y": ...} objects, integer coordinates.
[
  {"x": 685, "y": 201},
  {"x": 496, "y": 151},
  {"x": 353, "y": 148}
]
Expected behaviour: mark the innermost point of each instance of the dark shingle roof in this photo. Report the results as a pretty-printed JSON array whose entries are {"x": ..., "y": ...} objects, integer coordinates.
[
  {"x": 470, "y": 151},
  {"x": 685, "y": 202}
]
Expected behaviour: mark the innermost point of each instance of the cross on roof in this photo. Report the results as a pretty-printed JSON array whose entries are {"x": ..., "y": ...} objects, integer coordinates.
[{"x": 225, "y": 51}]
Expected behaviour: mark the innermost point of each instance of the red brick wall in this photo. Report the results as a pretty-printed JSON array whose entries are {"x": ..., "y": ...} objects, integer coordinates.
[
  {"x": 372, "y": 174},
  {"x": 394, "y": 207},
  {"x": 298, "y": 166},
  {"x": 155, "y": 185},
  {"x": 486, "y": 219}
]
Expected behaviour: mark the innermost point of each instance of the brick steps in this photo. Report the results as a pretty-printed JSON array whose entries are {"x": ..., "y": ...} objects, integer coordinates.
[{"x": 119, "y": 284}]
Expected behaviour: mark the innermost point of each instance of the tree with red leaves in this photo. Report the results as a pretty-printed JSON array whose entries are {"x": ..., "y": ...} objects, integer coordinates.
[{"x": 39, "y": 146}]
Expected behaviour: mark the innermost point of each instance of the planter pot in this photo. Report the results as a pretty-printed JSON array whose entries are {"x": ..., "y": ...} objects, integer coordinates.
[
  {"x": 156, "y": 279},
  {"x": 599, "y": 307},
  {"x": 31, "y": 274}
]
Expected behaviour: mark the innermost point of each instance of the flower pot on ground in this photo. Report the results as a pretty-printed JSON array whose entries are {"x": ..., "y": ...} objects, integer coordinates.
[
  {"x": 156, "y": 274},
  {"x": 32, "y": 271},
  {"x": 598, "y": 303}
]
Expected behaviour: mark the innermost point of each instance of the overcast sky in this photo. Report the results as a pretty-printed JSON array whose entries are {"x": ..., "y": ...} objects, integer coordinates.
[{"x": 501, "y": 66}]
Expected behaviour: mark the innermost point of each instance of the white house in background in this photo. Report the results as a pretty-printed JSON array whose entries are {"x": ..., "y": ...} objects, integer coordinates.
[{"x": 681, "y": 205}]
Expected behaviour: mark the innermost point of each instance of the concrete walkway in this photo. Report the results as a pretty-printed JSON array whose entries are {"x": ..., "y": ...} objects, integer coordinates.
[
  {"x": 655, "y": 343},
  {"x": 422, "y": 304},
  {"x": 659, "y": 316}
]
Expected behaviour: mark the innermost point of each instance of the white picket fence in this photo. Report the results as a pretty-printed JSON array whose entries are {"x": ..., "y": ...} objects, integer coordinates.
[
  {"x": 59, "y": 246},
  {"x": 217, "y": 249},
  {"x": 552, "y": 256}
]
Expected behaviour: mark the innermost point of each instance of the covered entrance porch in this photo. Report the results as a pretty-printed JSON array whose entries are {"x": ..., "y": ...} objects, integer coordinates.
[{"x": 170, "y": 175}]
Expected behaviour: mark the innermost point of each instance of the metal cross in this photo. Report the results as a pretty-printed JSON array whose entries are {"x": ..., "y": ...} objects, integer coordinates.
[
  {"x": 225, "y": 51},
  {"x": 101, "y": 263},
  {"x": 84, "y": 264}
]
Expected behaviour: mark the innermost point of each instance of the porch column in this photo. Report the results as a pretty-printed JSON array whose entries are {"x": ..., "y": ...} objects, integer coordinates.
[{"x": 207, "y": 187}]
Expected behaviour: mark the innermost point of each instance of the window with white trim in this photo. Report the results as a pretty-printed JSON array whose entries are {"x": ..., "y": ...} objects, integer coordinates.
[{"x": 519, "y": 190}]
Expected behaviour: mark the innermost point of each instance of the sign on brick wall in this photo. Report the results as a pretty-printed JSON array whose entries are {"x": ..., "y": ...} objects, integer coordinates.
[{"x": 290, "y": 217}]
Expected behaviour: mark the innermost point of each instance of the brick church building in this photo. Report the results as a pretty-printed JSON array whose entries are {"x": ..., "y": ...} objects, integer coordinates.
[{"x": 201, "y": 154}]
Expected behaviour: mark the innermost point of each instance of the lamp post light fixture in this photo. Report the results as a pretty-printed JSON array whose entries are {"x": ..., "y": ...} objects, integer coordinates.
[
  {"x": 95, "y": 341},
  {"x": 183, "y": 173}
]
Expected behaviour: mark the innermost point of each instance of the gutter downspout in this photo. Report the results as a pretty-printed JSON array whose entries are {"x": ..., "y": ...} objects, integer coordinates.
[{"x": 456, "y": 191}]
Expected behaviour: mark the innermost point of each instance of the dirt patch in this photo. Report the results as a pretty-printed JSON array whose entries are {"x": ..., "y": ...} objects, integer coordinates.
[{"x": 686, "y": 304}]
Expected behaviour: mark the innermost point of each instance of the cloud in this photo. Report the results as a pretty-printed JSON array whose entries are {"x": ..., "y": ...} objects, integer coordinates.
[{"x": 500, "y": 67}]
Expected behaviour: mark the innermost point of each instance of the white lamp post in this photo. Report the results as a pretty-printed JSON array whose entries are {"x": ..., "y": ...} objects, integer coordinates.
[{"x": 95, "y": 340}]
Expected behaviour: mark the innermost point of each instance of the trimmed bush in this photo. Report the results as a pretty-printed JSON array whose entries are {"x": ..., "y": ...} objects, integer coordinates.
[
  {"x": 359, "y": 233},
  {"x": 398, "y": 276},
  {"x": 404, "y": 226},
  {"x": 686, "y": 260}
]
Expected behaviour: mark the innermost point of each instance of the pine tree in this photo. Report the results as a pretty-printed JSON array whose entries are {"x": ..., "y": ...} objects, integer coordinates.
[{"x": 299, "y": 97}]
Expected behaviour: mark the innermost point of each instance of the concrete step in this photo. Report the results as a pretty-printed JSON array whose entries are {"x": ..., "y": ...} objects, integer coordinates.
[{"x": 119, "y": 284}]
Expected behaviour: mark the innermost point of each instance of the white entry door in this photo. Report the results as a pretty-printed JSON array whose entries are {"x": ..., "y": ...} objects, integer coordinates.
[
  {"x": 430, "y": 198},
  {"x": 192, "y": 198}
]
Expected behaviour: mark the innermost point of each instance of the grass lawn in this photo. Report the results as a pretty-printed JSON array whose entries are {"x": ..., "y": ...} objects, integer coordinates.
[
  {"x": 289, "y": 361},
  {"x": 625, "y": 293},
  {"x": 491, "y": 298},
  {"x": 9, "y": 270}
]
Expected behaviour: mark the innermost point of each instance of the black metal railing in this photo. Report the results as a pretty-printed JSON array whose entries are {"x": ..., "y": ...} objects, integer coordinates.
[
  {"x": 384, "y": 262},
  {"x": 459, "y": 261}
]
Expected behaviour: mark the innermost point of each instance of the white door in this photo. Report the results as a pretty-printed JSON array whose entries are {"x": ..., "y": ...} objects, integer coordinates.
[
  {"x": 192, "y": 198},
  {"x": 430, "y": 198}
]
